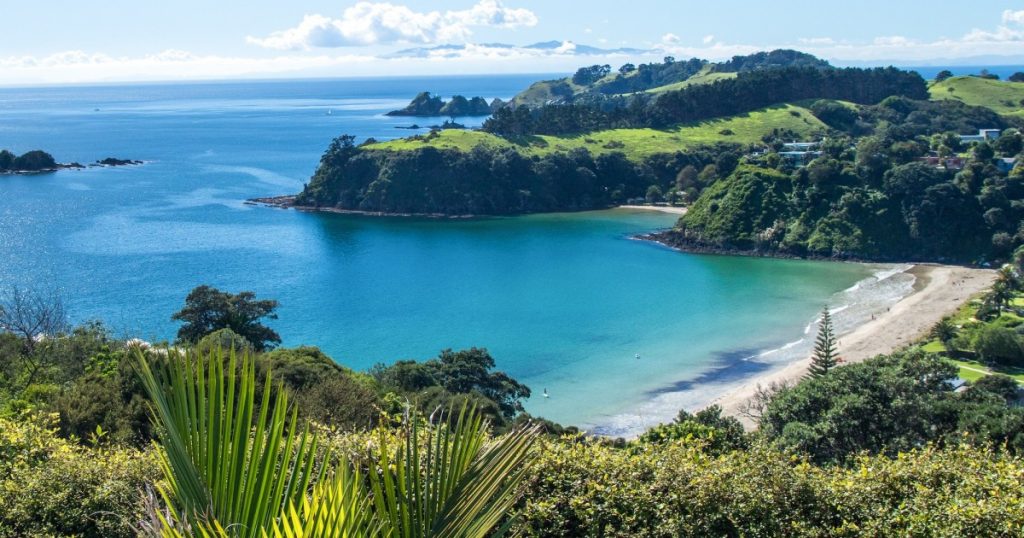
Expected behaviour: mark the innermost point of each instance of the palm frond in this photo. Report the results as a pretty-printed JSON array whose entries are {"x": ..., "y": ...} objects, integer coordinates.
[
  {"x": 225, "y": 465},
  {"x": 461, "y": 487}
]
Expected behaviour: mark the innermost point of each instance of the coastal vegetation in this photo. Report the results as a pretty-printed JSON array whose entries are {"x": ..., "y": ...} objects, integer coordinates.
[
  {"x": 40, "y": 161},
  {"x": 427, "y": 105},
  {"x": 873, "y": 197},
  {"x": 880, "y": 448},
  {"x": 882, "y": 174},
  {"x": 31, "y": 161}
]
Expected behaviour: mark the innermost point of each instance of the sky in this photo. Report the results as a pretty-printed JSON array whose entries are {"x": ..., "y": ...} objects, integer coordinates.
[{"x": 71, "y": 41}]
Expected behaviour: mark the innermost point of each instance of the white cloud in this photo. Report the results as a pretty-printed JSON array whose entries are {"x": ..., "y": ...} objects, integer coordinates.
[
  {"x": 1013, "y": 17},
  {"x": 817, "y": 41},
  {"x": 368, "y": 23},
  {"x": 317, "y": 32},
  {"x": 708, "y": 39},
  {"x": 892, "y": 41}
]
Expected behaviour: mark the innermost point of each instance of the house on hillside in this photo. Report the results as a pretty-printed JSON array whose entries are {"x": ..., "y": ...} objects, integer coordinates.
[
  {"x": 800, "y": 146},
  {"x": 1006, "y": 164},
  {"x": 982, "y": 136},
  {"x": 799, "y": 158},
  {"x": 949, "y": 163}
]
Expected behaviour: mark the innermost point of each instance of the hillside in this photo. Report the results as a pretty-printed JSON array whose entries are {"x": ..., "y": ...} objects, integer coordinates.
[
  {"x": 636, "y": 144},
  {"x": 705, "y": 76},
  {"x": 601, "y": 82},
  {"x": 1001, "y": 96}
]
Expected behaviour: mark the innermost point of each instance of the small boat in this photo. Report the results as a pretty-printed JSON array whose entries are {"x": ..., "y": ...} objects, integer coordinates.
[
  {"x": 330, "y": 112},
  {"x": 545, "y": 393},
  {"x": 637, "y": 356}
]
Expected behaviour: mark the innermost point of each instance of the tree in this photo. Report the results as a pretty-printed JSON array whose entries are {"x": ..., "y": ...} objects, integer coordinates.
[
  {"x": 943, "y": 75},
  {"x": 35, "y": 317},
  {"x": 653, "y": 194},
  {"x": 999, "y": 345},
  {"x": 1017, "y": 77},
  {"x": 208, "y": 309},
  {"x": 627, "y": 68},
  {"x": 1002, "y": 291},
  {"x": 943, "y": 330},
  {"x": 824, "y": 358},
  {"x": 6, "y": 160},
  {"x": 33, "y": 161}
]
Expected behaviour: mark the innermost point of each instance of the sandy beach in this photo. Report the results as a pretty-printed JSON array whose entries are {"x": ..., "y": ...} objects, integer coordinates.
[
  {"x": 659, "y": 208},
  {"x": 938, "y": 290}
]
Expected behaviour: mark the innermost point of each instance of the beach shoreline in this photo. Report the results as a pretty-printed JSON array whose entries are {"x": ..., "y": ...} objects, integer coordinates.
[
  {"x": 659, "y": 208},
  {"x": 939, "y": 290},
  {"x": 288, "y": 202}
]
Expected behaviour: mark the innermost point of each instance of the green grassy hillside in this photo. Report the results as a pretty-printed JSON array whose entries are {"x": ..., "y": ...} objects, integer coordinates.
[
  {"x": 1001, "y": 96},
  {"x": 706, "y": 76},
  {"x": 634, "y": 143}
]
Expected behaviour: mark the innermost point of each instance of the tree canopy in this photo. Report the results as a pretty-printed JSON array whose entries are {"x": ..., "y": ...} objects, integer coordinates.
[{"x": 208, "y": 309}]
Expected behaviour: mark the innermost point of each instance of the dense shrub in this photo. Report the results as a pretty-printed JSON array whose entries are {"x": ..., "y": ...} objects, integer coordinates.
[
  {"x": 50, "y": 487},
  {"x": 582, "y": 488}
]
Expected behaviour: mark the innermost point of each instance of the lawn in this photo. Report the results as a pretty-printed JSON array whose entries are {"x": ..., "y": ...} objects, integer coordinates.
[
  {"x": 1001, "y": 96},
  {"x": 636, "y": 144},
  {"x": 974, "y": 370}
]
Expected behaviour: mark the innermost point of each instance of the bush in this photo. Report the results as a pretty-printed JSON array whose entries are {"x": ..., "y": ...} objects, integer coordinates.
[
  {"x": 586, "y": 488},
  {"x": 50, "y": 487},
  {"x": 999, "y": 345}
]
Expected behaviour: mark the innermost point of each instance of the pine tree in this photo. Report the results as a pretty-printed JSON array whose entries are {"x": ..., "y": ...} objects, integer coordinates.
[{"x": 824, "y": 357}]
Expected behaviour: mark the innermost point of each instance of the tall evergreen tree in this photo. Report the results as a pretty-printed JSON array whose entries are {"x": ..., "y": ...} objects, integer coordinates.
[{"x": 824, "y": 357}]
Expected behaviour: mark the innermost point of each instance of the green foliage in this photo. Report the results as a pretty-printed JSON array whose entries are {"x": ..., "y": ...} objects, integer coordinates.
[
  {"x": 426, "y": 105},
  {"x": 885, "y": 404},
  {"x": 32, "y": 161},
  {"x": 208, "y": 309},
  {"x": 51, "y": 487},
  {"x": 227, "y": 479},
  {"x": 465, "y": 372},
  {"x": 223, "y": 463},
  {"x": 324, "y": 391},
  {"x": 999, "y": 345},
  {"x": 722, "y": 216},
  {"x": 877, "y": 202},
  {"x": 943, "y": 330},
  {"x": 224, "y": 339},
  {"x": 824, "y": 358},
  {"x": 707, "y": 428},
  {"x": 583, "y": 488}
]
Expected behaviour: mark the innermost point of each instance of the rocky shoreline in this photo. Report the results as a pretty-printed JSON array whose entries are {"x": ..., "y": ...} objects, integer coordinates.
[
  {"x": 675, "y": 242},
  {"x": 109, "y": 162},
  {"x": 288, "y": 202}
]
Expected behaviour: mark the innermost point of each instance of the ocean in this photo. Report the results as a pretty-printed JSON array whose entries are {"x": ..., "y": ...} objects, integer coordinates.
[{"x": 564, "y": 302}]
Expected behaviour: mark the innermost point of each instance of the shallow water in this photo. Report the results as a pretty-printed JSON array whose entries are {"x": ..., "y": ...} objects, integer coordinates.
[{"x": 565, "y": 302}]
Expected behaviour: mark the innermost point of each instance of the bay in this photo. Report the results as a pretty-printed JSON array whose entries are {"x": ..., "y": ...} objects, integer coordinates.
[{"x": 564, "y": 302}]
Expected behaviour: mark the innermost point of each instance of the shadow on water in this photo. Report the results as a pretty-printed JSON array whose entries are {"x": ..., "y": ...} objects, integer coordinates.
[{"x": 729, "y": 366}]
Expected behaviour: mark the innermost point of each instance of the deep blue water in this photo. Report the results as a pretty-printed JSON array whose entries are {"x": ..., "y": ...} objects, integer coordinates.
[{"x": 564, "y": 302}]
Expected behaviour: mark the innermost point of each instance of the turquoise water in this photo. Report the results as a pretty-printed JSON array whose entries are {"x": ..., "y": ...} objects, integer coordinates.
[{"x": 564, "y": 302}]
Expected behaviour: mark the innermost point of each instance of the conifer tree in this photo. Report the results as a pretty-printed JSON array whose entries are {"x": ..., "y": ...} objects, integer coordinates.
[{"x": 824, "y": 357}]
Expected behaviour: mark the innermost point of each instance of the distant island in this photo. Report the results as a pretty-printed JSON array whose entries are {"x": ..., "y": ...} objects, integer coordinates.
[
  {"x": 427, "y": 105},
  {"x": 39, "y": 161}
]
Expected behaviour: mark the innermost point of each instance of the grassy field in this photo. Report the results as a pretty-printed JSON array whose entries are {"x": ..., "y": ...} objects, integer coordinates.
[
  {"x": 1000, "y": 96},
  {"x": 634, "y": 143},
  {"x": 704, "y": 77}
]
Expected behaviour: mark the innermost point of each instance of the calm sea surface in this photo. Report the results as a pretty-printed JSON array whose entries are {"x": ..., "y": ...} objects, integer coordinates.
[{"x": 564, "y": 302}]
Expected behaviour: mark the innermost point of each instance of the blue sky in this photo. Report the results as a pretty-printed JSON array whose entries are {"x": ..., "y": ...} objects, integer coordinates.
[{"x": 71, "y": 41}]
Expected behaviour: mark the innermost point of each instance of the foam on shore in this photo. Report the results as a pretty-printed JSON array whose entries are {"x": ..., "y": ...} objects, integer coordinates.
[{"x": 854, "y": 306}]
